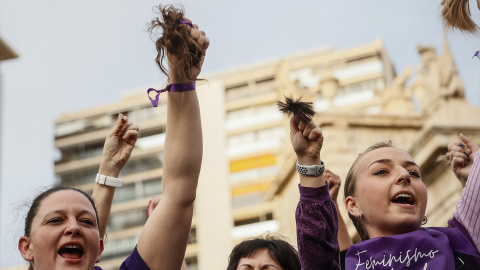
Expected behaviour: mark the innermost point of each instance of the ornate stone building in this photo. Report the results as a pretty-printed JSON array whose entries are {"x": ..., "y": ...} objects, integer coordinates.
[{"x": 421, "y": 118}]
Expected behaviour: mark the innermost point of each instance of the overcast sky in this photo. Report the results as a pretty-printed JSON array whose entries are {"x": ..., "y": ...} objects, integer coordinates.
[{"x": 79, "y": 54}]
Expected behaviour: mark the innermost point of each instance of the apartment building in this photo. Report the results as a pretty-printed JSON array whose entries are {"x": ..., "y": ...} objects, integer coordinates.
[{"x": 247, "y": 184}]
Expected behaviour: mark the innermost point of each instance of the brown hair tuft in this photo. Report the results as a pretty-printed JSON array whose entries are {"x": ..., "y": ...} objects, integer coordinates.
[{"x": 175, "y": 40}]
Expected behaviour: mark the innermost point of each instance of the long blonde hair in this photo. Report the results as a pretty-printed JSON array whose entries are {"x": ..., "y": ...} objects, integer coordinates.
[{"x": 456, "y": 15}]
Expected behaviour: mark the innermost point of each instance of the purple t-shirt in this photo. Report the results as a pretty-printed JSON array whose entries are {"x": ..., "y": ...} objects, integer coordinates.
[
  {"x": 133, "y": 262},
  {"x": 428, "y": 248}
]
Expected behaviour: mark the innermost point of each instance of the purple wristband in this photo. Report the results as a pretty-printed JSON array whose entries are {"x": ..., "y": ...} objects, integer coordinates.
[
  {"x": 185, "y": 22},
  {"x": 174, "y": 87}
]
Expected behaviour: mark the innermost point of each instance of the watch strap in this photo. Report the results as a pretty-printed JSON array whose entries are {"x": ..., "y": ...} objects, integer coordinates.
[
  {"x": 311, "y": 170},
  {"x": 108, "y": 181}
]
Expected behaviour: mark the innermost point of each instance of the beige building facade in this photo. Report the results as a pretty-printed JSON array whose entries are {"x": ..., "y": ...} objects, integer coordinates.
[{"x": 248, "y": 183}]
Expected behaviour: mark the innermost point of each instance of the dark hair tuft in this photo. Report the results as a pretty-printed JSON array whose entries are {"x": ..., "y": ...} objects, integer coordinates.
[{"x": 298, "y": 108}]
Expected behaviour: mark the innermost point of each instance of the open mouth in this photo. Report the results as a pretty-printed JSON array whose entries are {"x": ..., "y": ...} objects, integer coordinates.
[
  {"x": 71, "y": 251},
  {"x": 404, "y": 198}
]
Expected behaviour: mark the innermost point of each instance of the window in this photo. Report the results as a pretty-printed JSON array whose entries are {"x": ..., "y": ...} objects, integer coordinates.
[
  {"x": 143, "y": 164},
  {"x": 251, "y": 116},
  {"x": 248, "y": 199},
  {"x": 138, "y": 190},
  {"x": 124, "y": 220},
  {"x": 119, "y": 247},
  {"x": 192, "y": 263},
  {"x": 249, "y": 89},
  {"x": 79, "y": 177},
  {"x": 259, "y": 218}
]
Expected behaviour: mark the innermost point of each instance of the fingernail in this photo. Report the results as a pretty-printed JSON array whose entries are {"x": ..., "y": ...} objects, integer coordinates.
[
  {"x": 461, "y": 145},
  {"x": 468, "y": 160},
  {"x": 466, "y": 154}
]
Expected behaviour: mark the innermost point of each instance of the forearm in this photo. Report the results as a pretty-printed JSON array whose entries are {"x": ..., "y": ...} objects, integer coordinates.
[
  {"x": 344, "y": 239},
  {"x": 308, "y": 180},
  {"x": 183, "y": 146},
  {"x": 103, "y": 196},
  {"x": 317, "y": 226},
  {"x": 165, "y": 235},
  {"x": 468, "y": 208}
]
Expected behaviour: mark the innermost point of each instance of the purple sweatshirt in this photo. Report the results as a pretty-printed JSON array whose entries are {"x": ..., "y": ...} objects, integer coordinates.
[
  {"x": 317, "y": 227},
  {"x": 428, "y": 248}
]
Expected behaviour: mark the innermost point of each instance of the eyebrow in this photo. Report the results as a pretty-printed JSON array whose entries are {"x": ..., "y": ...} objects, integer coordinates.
[
  {"x": 61, "y": 211},
  {"x": 409, "y": 163},
  {"x": 380, "y": 161},
  {"x": 248, "y": 265},
  {"x": 386, "y": 160}
]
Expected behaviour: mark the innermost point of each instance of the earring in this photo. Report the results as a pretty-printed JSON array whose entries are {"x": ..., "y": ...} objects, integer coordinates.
[{"x": 424, "y": 220}]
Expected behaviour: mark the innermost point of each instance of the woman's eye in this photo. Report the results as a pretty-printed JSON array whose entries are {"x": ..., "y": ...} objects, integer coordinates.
[
  {"x": 55, "y": 220},
  {"x": 88, "y": 221},
  {"x": 414, "y": 174},
  {"x": 380, "y": 172}
]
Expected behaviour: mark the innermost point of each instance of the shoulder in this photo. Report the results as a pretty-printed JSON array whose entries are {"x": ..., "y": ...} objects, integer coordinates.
[{"x": 134, "y": 262}]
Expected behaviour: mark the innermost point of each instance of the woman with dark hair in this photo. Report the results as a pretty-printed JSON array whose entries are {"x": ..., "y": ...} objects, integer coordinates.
[
  {"x": 66, "y": 218},
  {"x": 267, "y": 252},
  {"x": 63, "y": 230}
]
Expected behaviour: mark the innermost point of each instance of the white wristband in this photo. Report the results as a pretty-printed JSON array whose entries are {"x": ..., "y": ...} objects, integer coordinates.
[
  {"x": 108, "y": 181},
  {"x": 311, "y": 170}
]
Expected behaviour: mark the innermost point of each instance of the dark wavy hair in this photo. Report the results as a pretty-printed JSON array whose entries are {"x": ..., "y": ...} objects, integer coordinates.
[
  {"x": 175, "y": 40},
  {"x": 279, "y": 250},
  {"x": 32, "y": 212}
]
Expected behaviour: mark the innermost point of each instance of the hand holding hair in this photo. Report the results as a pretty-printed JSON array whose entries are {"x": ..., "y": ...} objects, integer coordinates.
[
  {"x": 182, "y": 42},
  {"x": 306, "y": 139},
  {"x": 185, "y": 46}
]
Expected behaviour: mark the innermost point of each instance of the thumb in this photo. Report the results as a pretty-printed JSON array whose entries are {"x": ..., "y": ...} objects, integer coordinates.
[{"x": 293, "y": 127}]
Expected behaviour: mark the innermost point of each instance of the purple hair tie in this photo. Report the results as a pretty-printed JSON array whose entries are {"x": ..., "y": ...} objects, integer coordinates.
[
  {"x": 174, "y": 87},
  {"x": 476, "y": 54},
  {"x": 185, "y": 22}
]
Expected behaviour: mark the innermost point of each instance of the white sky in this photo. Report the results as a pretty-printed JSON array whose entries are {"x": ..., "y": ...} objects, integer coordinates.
[{"x": 79, "y": 54}]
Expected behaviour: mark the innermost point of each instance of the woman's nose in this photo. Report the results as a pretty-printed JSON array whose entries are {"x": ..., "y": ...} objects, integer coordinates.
[
  {"x": 73, "y": 228},
  {"x": 403, "y": 177}
]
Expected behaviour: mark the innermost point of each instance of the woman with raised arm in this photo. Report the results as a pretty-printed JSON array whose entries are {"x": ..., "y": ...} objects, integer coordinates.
[
  {"x": 386, "y": 200},
  {"x": 315, "y": 200},
  {"x": 62, "y": 227}
]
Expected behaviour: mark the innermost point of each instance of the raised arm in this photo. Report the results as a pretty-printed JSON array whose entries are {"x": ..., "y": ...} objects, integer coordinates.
[
  {"x": 164, "y": 238},
  {"x": 334, "y": 183},
  {"x": 316, "y": 215},
  {"x": 118, "y": 146},
  {"x": 468, "y": 208}
]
